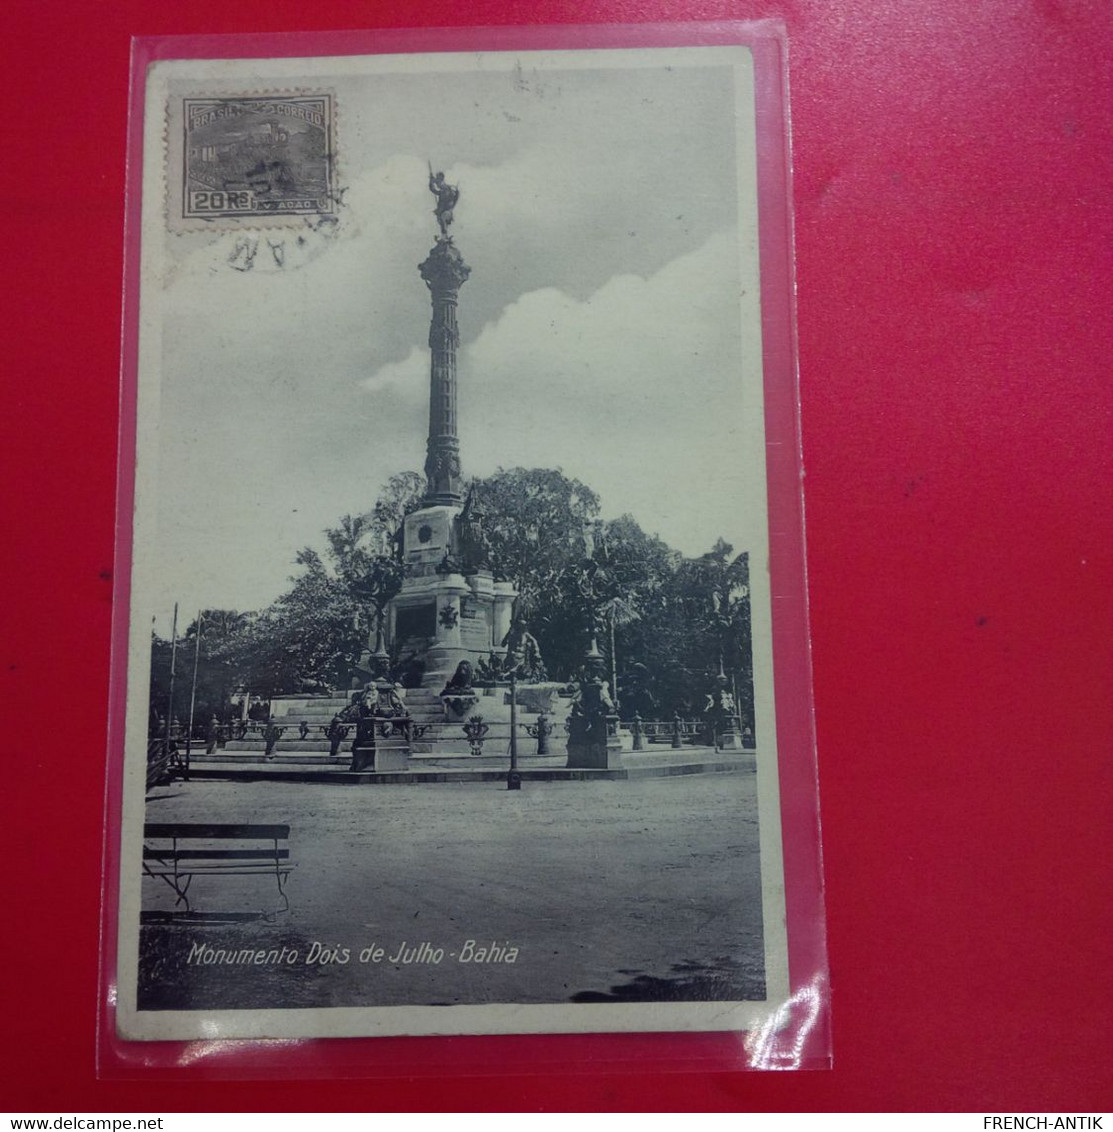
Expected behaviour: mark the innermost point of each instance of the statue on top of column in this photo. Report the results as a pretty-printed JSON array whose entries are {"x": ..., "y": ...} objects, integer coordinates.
[{"x": 447, "y": 196}]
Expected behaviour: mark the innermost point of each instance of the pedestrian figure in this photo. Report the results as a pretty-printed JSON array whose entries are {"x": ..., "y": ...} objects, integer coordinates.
[
  {"x": 271, "y": 735},
  {"x": 211, "y": 735},
  {"x": 637, "y": 732},
  {"x": 336, "y": 734}
]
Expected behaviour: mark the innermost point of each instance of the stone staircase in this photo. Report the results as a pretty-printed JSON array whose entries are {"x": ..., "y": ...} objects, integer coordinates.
[
  {"x": 441, "y": 740},
  {"x": 424, "y": 705},
  {"x": 426, "y": 710},
  {"x": 446, "y": 739},
  {"x": 288, "y": 712}
]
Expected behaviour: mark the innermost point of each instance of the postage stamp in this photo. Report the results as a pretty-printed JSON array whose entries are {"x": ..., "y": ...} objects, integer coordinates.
[{"x": 255, "y": 158}]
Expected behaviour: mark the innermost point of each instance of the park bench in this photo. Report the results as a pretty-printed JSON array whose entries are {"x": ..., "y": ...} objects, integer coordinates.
[
  {"x": 177, "y": 852},
  {"x": 164, "y": 761}
]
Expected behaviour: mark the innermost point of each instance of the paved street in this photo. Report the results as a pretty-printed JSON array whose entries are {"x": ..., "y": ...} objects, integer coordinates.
[{"x": 643, "y": 889}]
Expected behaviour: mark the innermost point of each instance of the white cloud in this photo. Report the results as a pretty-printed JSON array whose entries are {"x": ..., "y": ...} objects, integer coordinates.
[{"x": 636, "y": 390}]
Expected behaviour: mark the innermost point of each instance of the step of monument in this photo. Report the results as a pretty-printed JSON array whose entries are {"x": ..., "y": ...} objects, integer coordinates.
[
  {"x": 234, "y": 745},
  {"x": 421, "y": 696},
  {"x": 463, "y": 760},
  {"x": 311, "y": 711},
  {"x": 294, "y": 719},
  {"x": 293, "y": 722},
  {"x": 278, "y": 700},
  {"x": 441, "y": 730},
  {"x": 289, "y": 731},
  {"x": 342, "y": 757},
  {"x": 255, "y": 758}
]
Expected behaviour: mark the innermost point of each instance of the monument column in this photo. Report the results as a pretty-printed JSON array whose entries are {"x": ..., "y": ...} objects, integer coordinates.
[
  {"x": 444, "y": 272},
  {"x": 444, "y": 611}
]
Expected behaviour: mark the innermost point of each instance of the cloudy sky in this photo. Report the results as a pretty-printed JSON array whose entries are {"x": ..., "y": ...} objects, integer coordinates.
[{"x": 601, "y": 330}]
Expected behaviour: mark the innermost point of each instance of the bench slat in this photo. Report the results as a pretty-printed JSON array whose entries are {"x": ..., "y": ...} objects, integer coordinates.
[
  {"x": 223, "y": 870},
  {"x": 229, "y": 832},
  {"x": 180, "y": 854}
]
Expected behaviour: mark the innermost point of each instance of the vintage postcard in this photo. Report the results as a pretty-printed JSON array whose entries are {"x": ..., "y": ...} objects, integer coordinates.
[{"x": 451, "y": 632}]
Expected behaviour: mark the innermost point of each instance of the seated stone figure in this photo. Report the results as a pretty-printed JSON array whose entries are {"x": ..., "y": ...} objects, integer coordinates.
[
  {"x": 490, "y": 670},
  {"x": 384, "y": 700},
  {"x": 523, "y": 654},
  {"x": 461, "y": 679}
]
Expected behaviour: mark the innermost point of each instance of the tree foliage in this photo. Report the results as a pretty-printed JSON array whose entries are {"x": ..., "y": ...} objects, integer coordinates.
[
  {"x": 664, "y": 623},
  {"x": 217, "y": 673},
  {"x": 311, "y": 636},
  {"x": 534, "y": 521},
  {"x": 651, "y": 610}
]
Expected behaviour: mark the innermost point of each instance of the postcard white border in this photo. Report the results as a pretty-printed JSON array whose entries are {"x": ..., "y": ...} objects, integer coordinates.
[{"x": 497, "y": 1018}]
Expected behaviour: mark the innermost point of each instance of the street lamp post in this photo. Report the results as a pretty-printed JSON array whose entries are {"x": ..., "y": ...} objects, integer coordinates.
[
  {"x": 193, "y": 689},
  {"x": 513, "y": 778},
  {"x": 170, "y": 695}
]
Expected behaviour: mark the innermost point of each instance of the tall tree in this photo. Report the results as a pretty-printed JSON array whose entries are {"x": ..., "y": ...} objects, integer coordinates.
[
  {"x": 314, "y": 633},
  {"x": 309, "y": 637},
  {"x": 400, "y": 495},
  {"x": 709, "y": 624},
  {"x": 534, "y": 523},
  {"x": 218, "y": 666},
  {"x": 635, "y": 571}
]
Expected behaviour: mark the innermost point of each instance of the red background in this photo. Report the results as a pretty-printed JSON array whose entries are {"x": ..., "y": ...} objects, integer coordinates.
[{"x": 954, "y": 239}]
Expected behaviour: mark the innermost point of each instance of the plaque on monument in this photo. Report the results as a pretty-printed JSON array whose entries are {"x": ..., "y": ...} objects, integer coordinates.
[
  {"x": 416, "y": 621},
  {"x": 475, "y": 629},
  {"x": 461, "y": 408}
]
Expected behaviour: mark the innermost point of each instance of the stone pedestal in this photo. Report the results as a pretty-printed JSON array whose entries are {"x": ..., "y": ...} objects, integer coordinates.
[
  {"x": 441, "y": 615},
  {"x": 382, "y": 730},
  {"x": 722, "y": 720},
  {"x": 390, "y": 758},
  {"x": 459, "y": 706},
  {"x": 593, "y": 741},
  {"x": 596, "y": 746}
]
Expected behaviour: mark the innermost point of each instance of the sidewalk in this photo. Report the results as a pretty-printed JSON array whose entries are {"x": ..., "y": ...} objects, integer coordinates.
[{"x": 659, "y": 763}]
